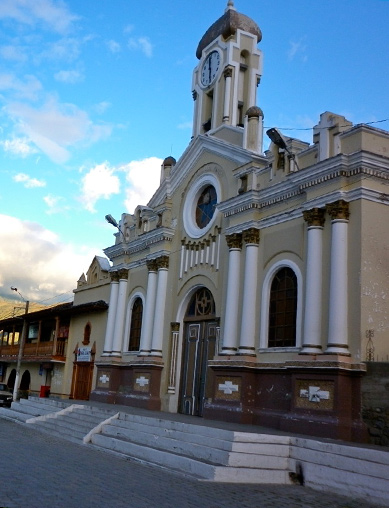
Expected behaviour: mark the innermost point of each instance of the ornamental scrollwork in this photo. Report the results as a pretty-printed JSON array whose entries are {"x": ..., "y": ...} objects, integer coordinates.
[{"x": 314, "y": 217}]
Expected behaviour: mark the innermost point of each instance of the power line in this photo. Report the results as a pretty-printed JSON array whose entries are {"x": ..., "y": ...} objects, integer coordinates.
[{"x": 324, "y": 128}]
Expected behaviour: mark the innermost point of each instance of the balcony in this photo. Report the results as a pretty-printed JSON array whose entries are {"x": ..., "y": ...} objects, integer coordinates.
[{"x": 40, "y": 351}]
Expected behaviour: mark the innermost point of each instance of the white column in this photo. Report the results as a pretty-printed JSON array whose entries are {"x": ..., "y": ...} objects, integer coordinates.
[
  {"x": 249, "y": 305},
  {"x": 148, "y": 317},
  {"x": 230, "y": 332},
  {"x": 159, "y": 315},
  {"x": 227, "y": 94},
  {"x": 113, "y": 300},
  {"x": 312, "y": 337},
  {"x": 338, "y": 305},
  {"x": 120, "y": 314}
]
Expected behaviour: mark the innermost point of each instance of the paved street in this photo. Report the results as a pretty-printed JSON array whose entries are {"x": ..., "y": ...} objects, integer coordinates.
[{"x": 42, "y": 471}]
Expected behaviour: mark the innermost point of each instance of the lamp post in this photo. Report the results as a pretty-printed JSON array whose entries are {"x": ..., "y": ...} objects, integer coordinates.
[
  {"x": 275, "y": 136},
  {"x": 22, "y": 340}
]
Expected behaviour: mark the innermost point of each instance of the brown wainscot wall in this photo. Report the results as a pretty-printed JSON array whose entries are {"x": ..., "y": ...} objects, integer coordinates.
[{"x": 321, "y": 401}]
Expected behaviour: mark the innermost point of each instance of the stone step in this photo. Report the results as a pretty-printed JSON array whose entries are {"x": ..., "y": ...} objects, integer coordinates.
[
  {"x": 179, "y": 463},
  {"x": 217, "y": 438},
  {"x": 69, "y": 433},
  {"x": 222, "y": 452}
]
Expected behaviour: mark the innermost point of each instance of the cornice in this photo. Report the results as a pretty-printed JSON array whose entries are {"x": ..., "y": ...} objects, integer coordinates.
[{"x": 141, "y": 243}]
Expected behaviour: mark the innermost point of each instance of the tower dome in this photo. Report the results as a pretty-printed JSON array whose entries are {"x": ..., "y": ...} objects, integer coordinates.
[{"x": 227, "y": 25}]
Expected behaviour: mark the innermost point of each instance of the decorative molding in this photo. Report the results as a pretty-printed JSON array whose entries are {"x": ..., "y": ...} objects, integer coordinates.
[
  {"x": 234, "y": 241},
  {"x": 228, "y": 72},
  {"x": 163, "y": 262},
  {"x": 174, "y": 333},
  {"x": 251, "y": 236},
  {"x": 314, "y": 217},
  {"x": 123, "y": 274},
  {"x": 152, "y": 265},
  {"x": 114, "y": 276},
  {"x": 338, "y": 210}
]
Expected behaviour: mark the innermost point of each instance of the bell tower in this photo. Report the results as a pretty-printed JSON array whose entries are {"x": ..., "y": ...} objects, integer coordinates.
[{"x": 225, "y": 80}]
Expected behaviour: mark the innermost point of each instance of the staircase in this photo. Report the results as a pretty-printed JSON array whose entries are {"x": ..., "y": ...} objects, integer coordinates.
[{"x": 198, "y": 451}]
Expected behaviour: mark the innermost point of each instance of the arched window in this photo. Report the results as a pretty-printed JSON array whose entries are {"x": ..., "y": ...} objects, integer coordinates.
[
  {"x": 136, "y": 325},
  {"x": 283, "y": 309},
  {"x": 201, "y": 304},
  {"x": 87, "y": 332}
]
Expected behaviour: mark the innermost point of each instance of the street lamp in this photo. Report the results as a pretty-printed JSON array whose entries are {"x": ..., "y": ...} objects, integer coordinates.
[
  {"x": 276, "y": 136},
  {"x": 21, "y": 344},
  {"x": 111, "y": 220}
]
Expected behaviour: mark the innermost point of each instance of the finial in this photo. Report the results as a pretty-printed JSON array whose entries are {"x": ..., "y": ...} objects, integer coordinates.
[{"x": 230, "y": 5}]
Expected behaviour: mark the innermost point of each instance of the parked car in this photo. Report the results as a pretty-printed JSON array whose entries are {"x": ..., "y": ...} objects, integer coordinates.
[{"x": 6, "y": 396}]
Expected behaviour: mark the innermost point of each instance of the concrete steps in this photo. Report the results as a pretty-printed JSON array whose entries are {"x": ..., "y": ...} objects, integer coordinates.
[
  {"x": 25, "y": 409},
  {"x": 204, "y": 452},
  {"x": 73, "y": 422}
]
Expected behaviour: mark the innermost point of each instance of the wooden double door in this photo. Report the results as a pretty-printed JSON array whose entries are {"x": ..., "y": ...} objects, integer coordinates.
[{"x": 199, "y": 347}]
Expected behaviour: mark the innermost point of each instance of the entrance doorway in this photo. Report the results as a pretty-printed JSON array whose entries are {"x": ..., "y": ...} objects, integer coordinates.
[
  {"x": 200, "y": 345},
  {"x": 82, "y": 380}
]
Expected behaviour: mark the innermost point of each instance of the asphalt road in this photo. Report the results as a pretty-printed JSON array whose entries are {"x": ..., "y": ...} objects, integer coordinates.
[{"x": 41, "y": 471}]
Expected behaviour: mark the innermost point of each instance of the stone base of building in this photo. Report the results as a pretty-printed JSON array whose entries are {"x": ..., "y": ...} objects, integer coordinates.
[
  {"x": 130, "y": 385},
  {"x": 323, "y": 401}
]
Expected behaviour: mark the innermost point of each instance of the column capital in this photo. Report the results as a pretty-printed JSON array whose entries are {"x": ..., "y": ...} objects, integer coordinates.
[
  {"x": 175, "y": 327},
  {"x": 314, "y": 217},
  {"x": 163, "y": 262},
  {"x": 228, "y": 72},
  {"x": 234, "y": 241},
  {"x": 152, "y": 265},
  {"x": 114, "y": 276},
  {"x": 339, "y": 210},
  {"x": 251, "y": 235},
  {"x": 123, "y": 273}
]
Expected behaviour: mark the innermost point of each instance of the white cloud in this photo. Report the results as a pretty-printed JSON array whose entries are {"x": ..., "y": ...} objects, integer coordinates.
[
  {"x": 143, "y": 178},
  {"x": 102, "y": 107},
  {"x": 298, "y": 48},
  {"x": 113, "y": 46},
  {"x": 185, "y": 125},
  {"x": 18, "y": 146},
  {"x": 141, "y": 43},
  {"x": 99, "y": 183},
  {"x": 65, "y": 49},
  {"x": 55, "y": 204},
  {"x": 55, "y": 127},
  {"x": 14, "y": 53},
  {"x": 68, "y": 76},
  {"x": 28, "y": 182},
  {"x": 22, "y": 89},
  {"x": 54, "y": 16},
  {"x": 42, "y": 274}
]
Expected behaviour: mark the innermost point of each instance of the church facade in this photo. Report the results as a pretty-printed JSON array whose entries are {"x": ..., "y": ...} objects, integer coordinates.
[{"x": 252, "y": 286}]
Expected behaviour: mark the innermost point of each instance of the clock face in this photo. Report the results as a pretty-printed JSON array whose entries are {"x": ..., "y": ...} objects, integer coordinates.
[{"x": 210, "y": 68}]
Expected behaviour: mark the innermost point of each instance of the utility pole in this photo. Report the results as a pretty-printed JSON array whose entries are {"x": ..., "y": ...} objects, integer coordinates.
[{"x": 22, "y": 341}]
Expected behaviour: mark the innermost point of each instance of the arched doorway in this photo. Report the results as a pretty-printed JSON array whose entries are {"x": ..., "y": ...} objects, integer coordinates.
[
  {"x": 200, "y": 335},
  {"x": 11, "y": 379},
  {"x": 26, "y": 380}
]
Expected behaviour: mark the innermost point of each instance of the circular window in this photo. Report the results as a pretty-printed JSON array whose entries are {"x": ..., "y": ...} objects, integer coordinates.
[
  {"x": 200, "y": 205},
  {"x": 206, "y": 205}
]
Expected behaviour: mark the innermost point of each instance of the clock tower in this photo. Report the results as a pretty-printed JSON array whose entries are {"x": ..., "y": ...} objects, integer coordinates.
[{"x": 225, "y": 80}]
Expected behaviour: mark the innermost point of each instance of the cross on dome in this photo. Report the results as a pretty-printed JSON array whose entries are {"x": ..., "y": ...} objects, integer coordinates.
[{"x": 230, "y": 5}]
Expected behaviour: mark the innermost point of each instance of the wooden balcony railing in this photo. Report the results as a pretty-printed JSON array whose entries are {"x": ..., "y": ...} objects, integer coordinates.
[{"x": 40, "y": 350}]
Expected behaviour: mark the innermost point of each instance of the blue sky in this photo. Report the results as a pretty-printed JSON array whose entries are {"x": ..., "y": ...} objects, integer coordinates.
[{"x": 95, "y": 93}]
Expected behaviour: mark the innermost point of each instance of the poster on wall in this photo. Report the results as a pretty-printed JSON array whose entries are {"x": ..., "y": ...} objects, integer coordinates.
[{"x": 84, "y": 354}]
